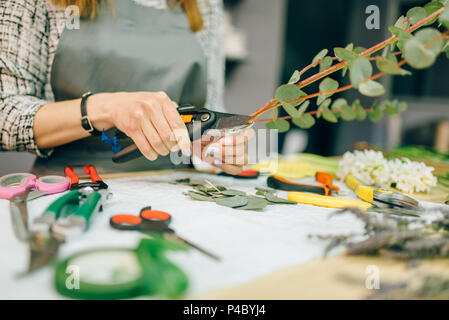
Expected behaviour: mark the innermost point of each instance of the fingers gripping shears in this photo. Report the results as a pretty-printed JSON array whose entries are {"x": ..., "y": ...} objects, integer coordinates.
[
  {"x": 198, "y": 121},
  {"x": 154, "y": 222}
]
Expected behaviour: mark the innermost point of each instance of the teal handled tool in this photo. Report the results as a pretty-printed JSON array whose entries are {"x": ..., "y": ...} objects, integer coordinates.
[
  {"x": 154, "y": 222},
  {"x": 113, "y": 273},
  {"x": 66, "y": 218}
]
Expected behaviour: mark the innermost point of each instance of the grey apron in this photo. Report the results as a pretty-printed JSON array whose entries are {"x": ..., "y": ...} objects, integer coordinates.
[{"x": 129, "y": 48}]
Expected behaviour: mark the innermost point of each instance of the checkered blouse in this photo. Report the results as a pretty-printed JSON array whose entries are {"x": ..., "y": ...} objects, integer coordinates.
[{"x": 29, "y": 35}]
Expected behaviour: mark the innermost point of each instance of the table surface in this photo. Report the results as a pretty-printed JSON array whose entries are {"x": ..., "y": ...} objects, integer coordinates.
[{"x": 251, "y": 244}]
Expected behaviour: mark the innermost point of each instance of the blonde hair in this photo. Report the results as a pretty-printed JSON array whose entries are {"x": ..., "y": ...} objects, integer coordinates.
[{"x": 89, "y": 8}]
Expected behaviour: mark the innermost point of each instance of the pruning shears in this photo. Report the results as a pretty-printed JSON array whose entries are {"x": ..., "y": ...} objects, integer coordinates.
[{"x": 198, "y": 121}]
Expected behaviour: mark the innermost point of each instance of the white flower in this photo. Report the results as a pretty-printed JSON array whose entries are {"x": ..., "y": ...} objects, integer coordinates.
[{"x": 371, "y": 167}]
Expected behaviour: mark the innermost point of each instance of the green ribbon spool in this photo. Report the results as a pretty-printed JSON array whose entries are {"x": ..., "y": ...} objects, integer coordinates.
[{"x": 122, "y": 273}]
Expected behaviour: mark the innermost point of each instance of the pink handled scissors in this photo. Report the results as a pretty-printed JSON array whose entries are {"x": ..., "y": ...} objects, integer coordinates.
[{"x": 16, "y": 184}]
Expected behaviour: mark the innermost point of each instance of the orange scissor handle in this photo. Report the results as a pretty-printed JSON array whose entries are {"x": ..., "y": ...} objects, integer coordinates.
[
  {"x": 155, "y": 216},
  {"x": 92, "y": 172},
  {"x": 326, "y": 179},
  {"x": 125, "y": 222},
  {"x": 70, "y": 173}
]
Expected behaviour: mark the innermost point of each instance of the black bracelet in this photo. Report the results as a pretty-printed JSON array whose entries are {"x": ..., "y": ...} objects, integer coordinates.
[{"x": 85, "y": 122}]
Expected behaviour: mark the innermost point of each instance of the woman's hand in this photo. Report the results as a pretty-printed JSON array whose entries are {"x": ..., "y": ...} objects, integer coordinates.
[
  {"x": 227, "y": 153},
  {"x": 150, "y": 119}
]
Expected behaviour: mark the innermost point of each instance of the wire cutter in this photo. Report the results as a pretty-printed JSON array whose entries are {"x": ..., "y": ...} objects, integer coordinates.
[
  {"x": 326, "y": 188},
  {"x": 198, "y": 121}
]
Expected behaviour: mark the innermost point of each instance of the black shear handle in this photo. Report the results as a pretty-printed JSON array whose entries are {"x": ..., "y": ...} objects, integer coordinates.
[{"x": 197, "y": 120}]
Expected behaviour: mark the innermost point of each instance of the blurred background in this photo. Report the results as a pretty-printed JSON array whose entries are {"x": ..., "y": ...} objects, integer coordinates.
[{"x": 266, "y": 40}]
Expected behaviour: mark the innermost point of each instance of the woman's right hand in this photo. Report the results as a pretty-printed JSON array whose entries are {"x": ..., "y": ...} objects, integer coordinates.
[{"x": 150, "y": 119}]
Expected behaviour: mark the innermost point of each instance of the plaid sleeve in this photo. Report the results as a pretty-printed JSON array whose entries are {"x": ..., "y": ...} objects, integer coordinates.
[{"x": 24, "y": 50}]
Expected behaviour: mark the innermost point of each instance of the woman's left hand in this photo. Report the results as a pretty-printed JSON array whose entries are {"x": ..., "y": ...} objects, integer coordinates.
[{"x": 227, "y": 153}]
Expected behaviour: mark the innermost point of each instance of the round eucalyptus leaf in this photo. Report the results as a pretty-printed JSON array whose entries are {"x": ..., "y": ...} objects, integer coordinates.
[
  {"x": 339, "y": 103},
  {"x": 287, "y": 92},
  {"x": 330, "y": 116},
  {"x": 376, "y": 115},
  {"x": 232, "y": 192},
  {"x": 390, "y": 67},
  {"x": 271, "y": 197},
  {"x": 199, "y": 197},
  {"x": 432, "y": 7},
  {"x": 359, "y": 110},
  {"x": 348, "y": 113},
  {"x": 371, "y": 89},
  {"x": 281, "y": 125},
  {"x": 402, "y": 23},
  {"x": 303, "y": 108},
  {"x": 422, "y": 50},
  {"x": 325, "y": 63},
  {"x": 400, "y": 33},
  {"x": 328, "y": 84},
  {"x": 254, "y": 203},
  {"x": 305, "y": 121},
  {"x": 360, "y": 69},
  {"x": 345, "y": 54},
  {"x": 416, "y": 14},
  {"x": 444, "y": 18},
  {"x": 320, "y": 56},
  {"x": 295, "y": 77},
  {"x": 232, "y": 202},
  {"x": 291, "y": 110}
]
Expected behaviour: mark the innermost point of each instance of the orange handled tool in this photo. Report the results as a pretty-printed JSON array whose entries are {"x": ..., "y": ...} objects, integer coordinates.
[
  {"x": 326, "y": 179},
  {"x": 96, "y": 182},
  {"x": 279, "y": 183},
  {"x": 74, "y": 179},
  {"x": 92, "y": 172}
]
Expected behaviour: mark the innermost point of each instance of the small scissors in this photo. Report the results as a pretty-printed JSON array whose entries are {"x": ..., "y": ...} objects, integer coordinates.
[
  {"x": 152, "y": 221},
  {"x": 16, "y": 184},
  {"x": 22, "y": 187}
]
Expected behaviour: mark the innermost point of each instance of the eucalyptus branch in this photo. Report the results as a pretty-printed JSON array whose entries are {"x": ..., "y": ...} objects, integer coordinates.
[{"x": 419, "y": 51}]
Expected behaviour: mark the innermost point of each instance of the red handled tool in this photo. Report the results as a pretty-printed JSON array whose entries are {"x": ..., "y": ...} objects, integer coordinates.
[
  {"x": 96, "y": 182},
  {"x": 152, "y": 221},
  {"x": 326, "y": 189}
]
